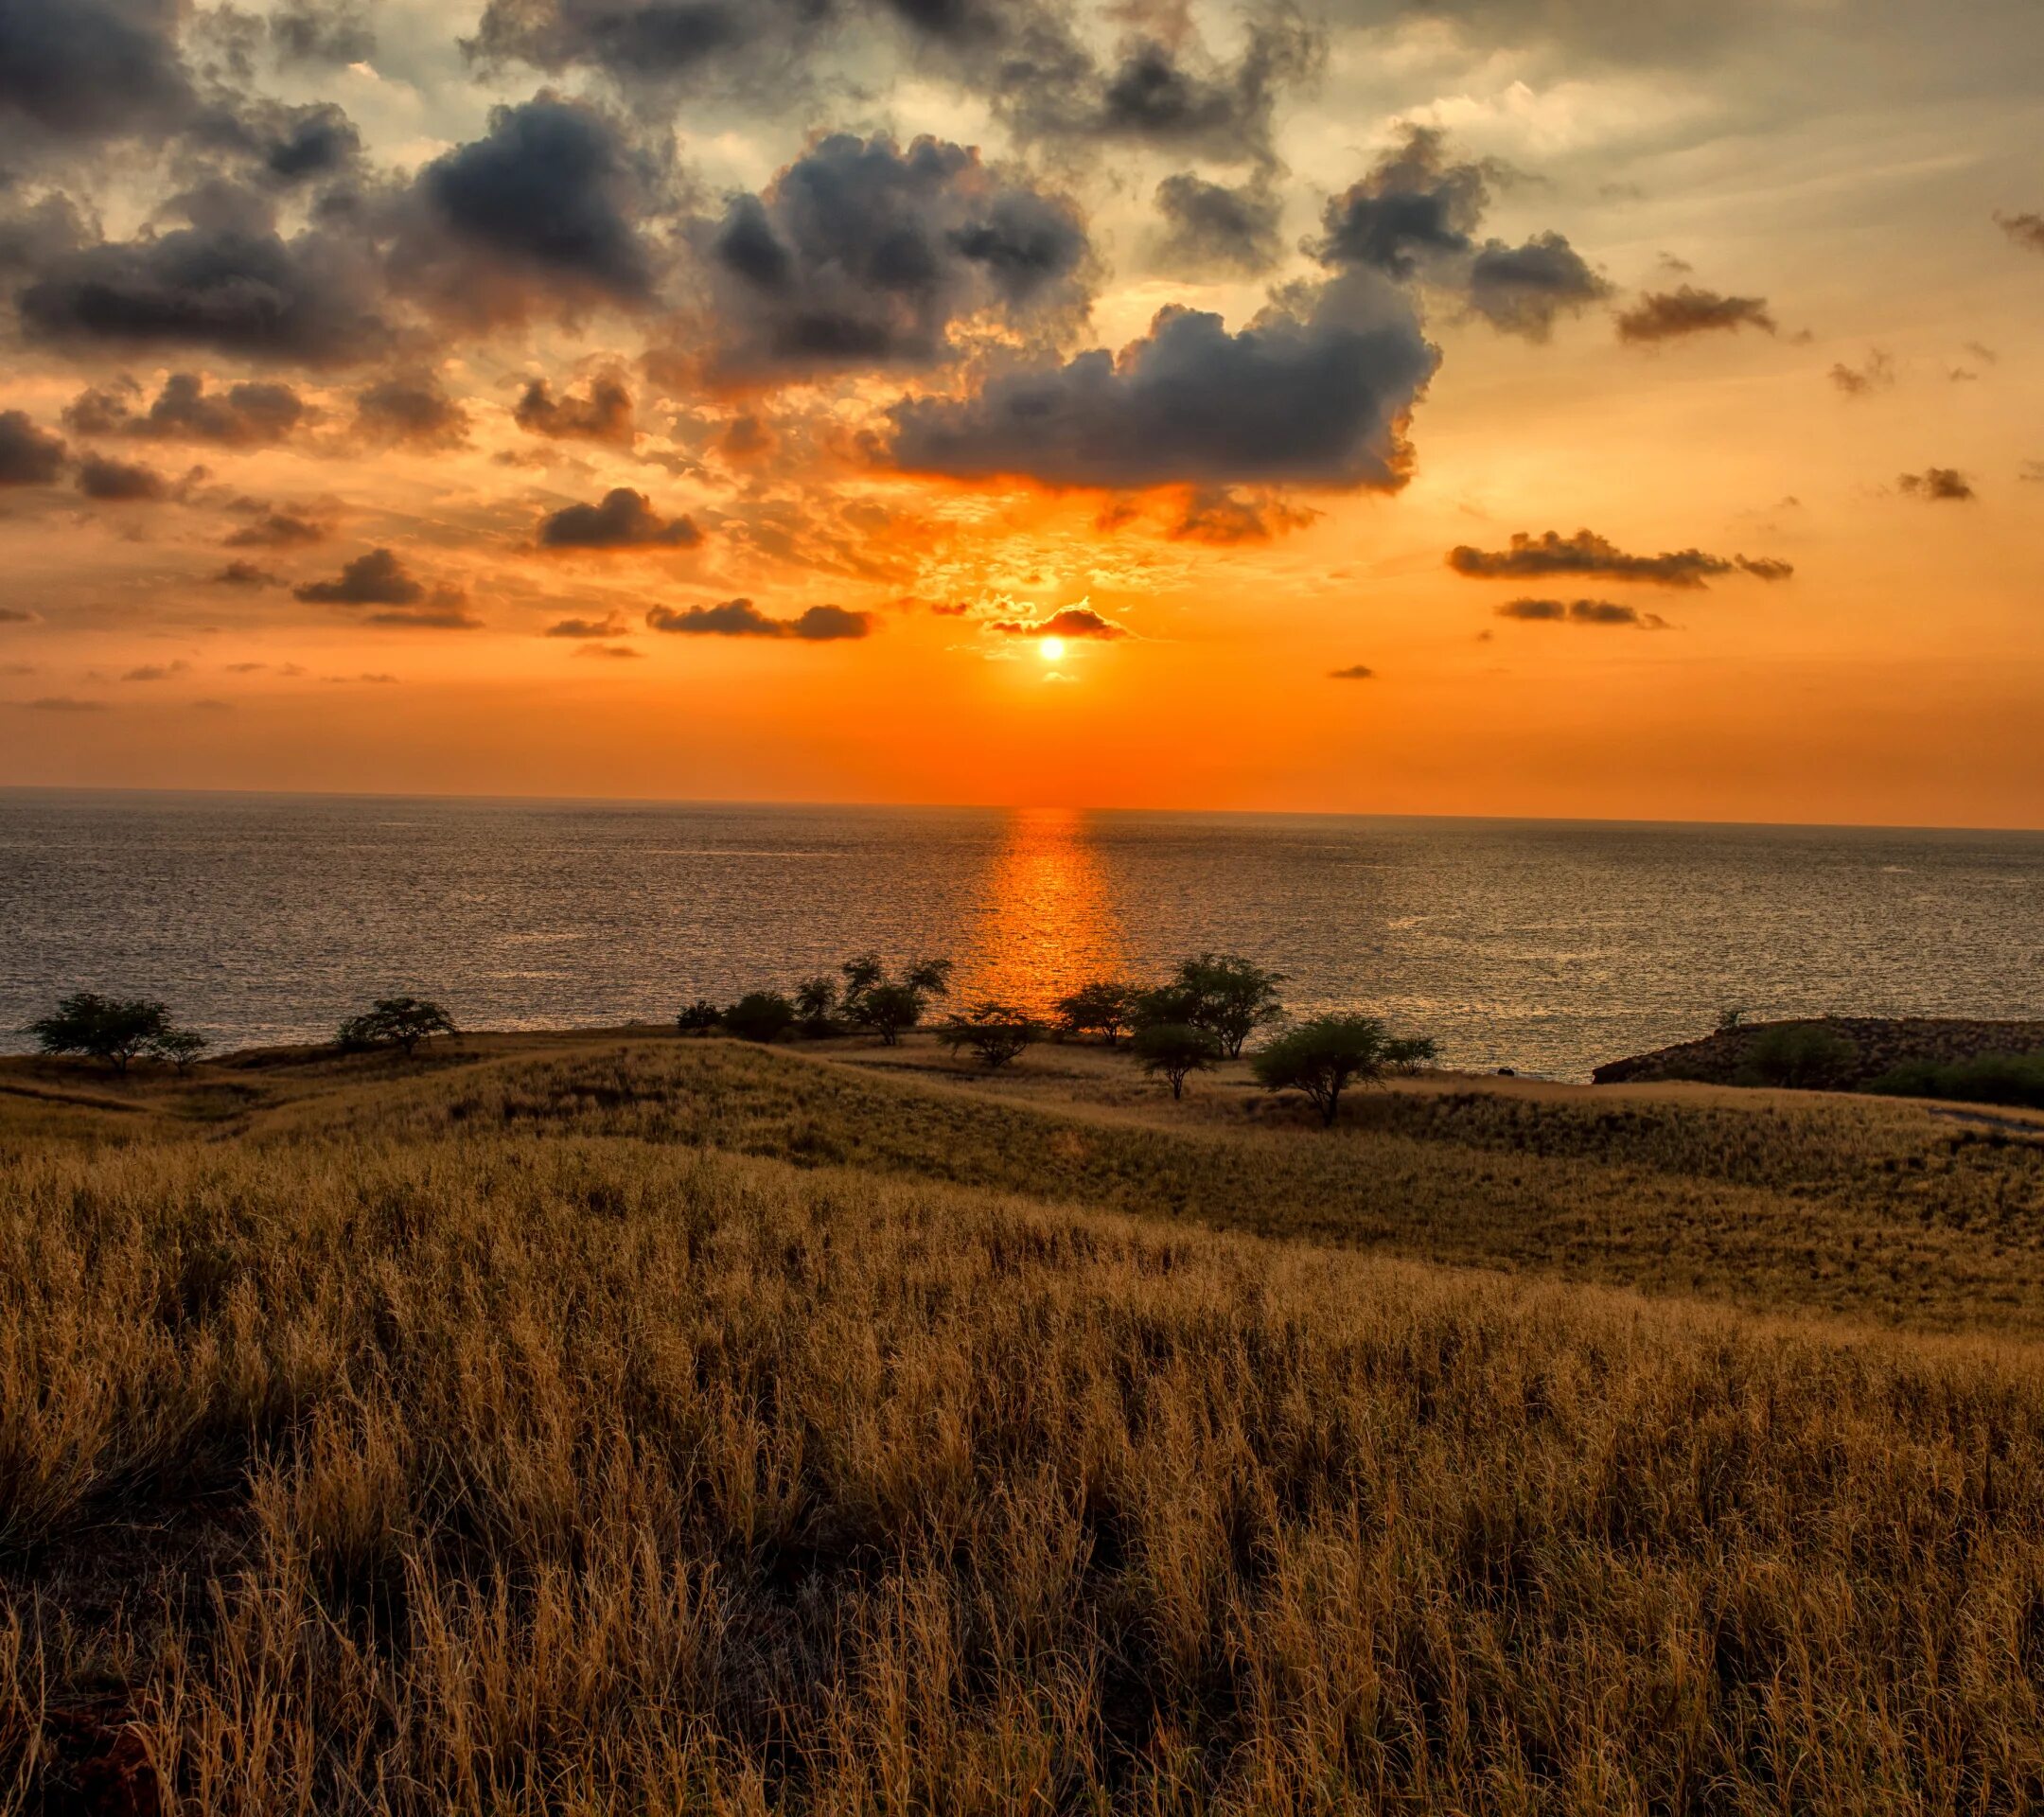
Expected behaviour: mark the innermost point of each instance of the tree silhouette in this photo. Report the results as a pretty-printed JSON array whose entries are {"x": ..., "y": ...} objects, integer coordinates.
[
  {"x": 1172, "y": 1050},
  {"x": 996, "y": 1032},
  {"x": 889, "y": 1007},
  {"x": 1229, "y": 997},
  {"x": 112, "y": 1029},
  {"x": 1105, "y": 1007},
  {"x": 1325, "y": 1056},
  {"x": 397, "y": 1022}
]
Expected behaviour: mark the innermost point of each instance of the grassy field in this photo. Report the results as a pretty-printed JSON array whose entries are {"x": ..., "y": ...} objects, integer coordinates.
[{"x": 616, "y": 1422}]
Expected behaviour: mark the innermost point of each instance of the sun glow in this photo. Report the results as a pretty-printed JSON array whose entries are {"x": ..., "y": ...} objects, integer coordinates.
[{"x": 1051, "y": 648}]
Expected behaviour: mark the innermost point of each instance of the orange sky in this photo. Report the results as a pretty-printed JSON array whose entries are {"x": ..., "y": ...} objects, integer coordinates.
[{"x": 1820, "y": 163}]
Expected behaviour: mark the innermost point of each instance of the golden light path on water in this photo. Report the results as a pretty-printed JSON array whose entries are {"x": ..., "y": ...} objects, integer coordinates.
[{"x": 1044, "y": 923}]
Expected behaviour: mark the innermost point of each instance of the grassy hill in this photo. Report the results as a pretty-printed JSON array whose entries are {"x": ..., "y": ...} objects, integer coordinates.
[{"x": 564, "y": 1423}]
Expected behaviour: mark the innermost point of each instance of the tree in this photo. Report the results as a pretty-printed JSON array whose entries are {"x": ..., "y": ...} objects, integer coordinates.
[
  {"x": 760, "y": 1016},
  {"x": 815, "y": 1000},
  {"x": 888, "y": 1007},
  {"x": 1229, "y": 997},
  {"x": 1325, "y": 1056},
  {"x": 112, "y": 1029},
  {"x": 996, "y": 1032},
  {"x": 397, "y": 1022},
  {"x": 1805, "y": 1056},
  {"x": 699, "y": 1018},
  {"x": 180, "y": 1046},
  {"x": 1174, "y": 1050},
  {"x": 1407, "y": 1053},
  {"x": 1104, "y": 1007}
]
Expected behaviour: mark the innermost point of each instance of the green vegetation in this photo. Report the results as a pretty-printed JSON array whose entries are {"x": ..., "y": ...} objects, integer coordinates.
[
  {"x": 889, "y": 1006},
  {"x": 119, "y": 1031},
  {"x": 760, "y": 1016},
  {"x": 400, "y": 1022},
  {"x": 1106, "y": 1008},
  {"x": 1984, "y": 1079},
  {"x": 994, "y": 1033},
  {"x": 701, "y": 1017},
  {"x": 577, "y": 1424},
  {"x": 1325, "y": 1056},
  {"x": 1174, "y": 1052},
  {"x": 1804, "y": 1055}
]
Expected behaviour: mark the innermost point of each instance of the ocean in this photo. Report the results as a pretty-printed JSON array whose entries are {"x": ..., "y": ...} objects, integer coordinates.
[{"x": 1547, "y": 947}]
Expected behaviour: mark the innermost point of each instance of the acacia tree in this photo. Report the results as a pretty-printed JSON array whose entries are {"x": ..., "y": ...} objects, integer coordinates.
[
  {"x": 891, "y": 1007},
  {"x": 760, "y": 1016},
  {"x": 816, "y": 998},
  {"x": 1325, "y": 1056},
  {"x": 180, "y": 1046},
  {"x": 397, "y": 1022},
  {"x": 112, "y": 1029},
  {"x": 996, "y": 1032},
  {"x": 699, "y": 1018},
  {"x": 1174, "y": 1050},
  {"x": 1106, "y": 1008},
  {"x": 1229, "y": 997}
]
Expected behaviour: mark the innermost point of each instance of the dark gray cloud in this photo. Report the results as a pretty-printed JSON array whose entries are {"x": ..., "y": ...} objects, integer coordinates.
[
  {"x": 1214, "y": 226},
  {"x": 740, "y": 618},
  {"x": 246, "y": 573},
  {"x": 1599, "y": 613},
  {"x": 113, "y": 482},
  {"x": 378, "y": 578},
  {"x": 322, "y": 32},
  {"x": 443, "y": 612},
  {"x": 1522, "y": 289},
  {"x": 1938, "y": 485},
  {"x": 29, "y": 455},
  {"x": 863, "y": 255},
  {"x": 92, "y": 69},
  {"x": 1671, "y": 315},
  {"x": 586, "y": 627},
  {"x": 276, "y": 530},
  {"x": 2025, "y": 229},
  {"x": 1414, "y": 207},
  {"x": 1080, "y": 621},
  {"x": 412, "y": 409},
  {"x": 603, "y": 413},
  {"x": 251, "y": 415},
  {"x": 1313, "y": 394},
  {"x": 1221, "y": 518},
  {"x": 1354, "y": 672},
  {"x": 651, "y": 47},
  {"x": 1876, "y": 373},
  {"x": 1599, "y": 558},
  {"x": 624, "y": 519}
]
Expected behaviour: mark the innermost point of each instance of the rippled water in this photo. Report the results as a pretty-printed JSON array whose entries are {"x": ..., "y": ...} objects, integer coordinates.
[{"x": 1540, "y": 945}]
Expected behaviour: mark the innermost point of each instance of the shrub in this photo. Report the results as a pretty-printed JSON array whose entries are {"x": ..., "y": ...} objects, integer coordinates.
[
  {"x": 1105, "y": 1007},
  {"x": 1805, "y": 1056},
  {"x": 397, "y": 1022},
  {"x": 816, "y": 999},
  {"x": 760, "y": 1016},
  {"x": 1174, "y": 1050},
  {"x": 996, "y": 1032},
  {"x": 1325, "y": 1056},
  {"x": 1229, "y": 997},
  {"x": 112, "y": 1029},
  {"x": 180, "y": 1046},
  {"x": 1984, "y": 1079},
  {"x": 891, "y": 1007},
  {"x": 700, "y": 1017}
]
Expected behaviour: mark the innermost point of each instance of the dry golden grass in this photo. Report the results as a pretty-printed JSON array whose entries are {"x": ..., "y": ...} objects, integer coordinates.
[{"x": 526, "y": 1433}]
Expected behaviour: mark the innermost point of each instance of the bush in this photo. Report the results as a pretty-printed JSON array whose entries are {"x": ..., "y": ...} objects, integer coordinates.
[
  {"x": 180, "y": 1046},
  {"x": 996, "y": 1032},
  {"x": 760, "y": 1016},
  {"x": 816, "y": 999},
  {"x": 112, "y": 1029},
  {"x": 1105, "y": 1007},
  {"x": 1229, "y": 997},
  {"x": 1985, "y": 1078},
  {"x": 891, "y": 1007},
  {"x": 1805, "y": 1056},
  {"x": 700, "y": 1017},
  {"x": 1174, "y": 1050},
  {"x": 397, "y": 1022},
  {"x": 1324, "y": 1057}
]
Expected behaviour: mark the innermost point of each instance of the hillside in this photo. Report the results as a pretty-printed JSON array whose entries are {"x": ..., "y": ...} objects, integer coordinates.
[
  {"x": 1878, "y": 1044},
  {"x": 615, "y": 1422}
]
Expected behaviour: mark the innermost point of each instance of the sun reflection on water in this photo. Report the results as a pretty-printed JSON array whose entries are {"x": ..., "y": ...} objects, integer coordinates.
[{"x": 1046, "y": 921}]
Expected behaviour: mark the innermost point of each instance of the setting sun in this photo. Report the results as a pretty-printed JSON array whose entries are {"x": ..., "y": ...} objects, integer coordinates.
[{"x": 1051, "y": 648}]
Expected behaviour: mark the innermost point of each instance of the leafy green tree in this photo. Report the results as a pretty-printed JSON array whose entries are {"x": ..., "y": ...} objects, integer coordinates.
[
  {"x": 1229, "y": 997},
  {"x": 397, "y": 1022},
  {"x": 760, "y": 1016},
  {"x": 996, "y": 1032},
  {"x": 1409, "y": 1052},
  {"x": 1326, "y": 1055},
  {"x": 1806, "y": 1056},
  {"x": 816, "y": 1000},
  {"x": 1106, "y": 1007},
  {"x": 112, "y": 1029},
  {"x": 889, "y": 1006},
  {"x": 180, "y": 1046},
  {"x": 1174, "y": 1050},
  {"x": 700, "y": 1017}
]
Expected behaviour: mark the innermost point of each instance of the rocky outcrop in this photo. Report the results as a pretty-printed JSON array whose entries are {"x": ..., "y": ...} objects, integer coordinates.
[{"x": 1878, "y": 1043}]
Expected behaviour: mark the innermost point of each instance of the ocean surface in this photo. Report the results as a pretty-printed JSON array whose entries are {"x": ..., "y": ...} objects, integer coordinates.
[{"x": 1544, "y": 945}]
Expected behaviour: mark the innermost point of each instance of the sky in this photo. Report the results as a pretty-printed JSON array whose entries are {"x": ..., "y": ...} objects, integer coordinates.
[{"x": 1579, "y": 408}]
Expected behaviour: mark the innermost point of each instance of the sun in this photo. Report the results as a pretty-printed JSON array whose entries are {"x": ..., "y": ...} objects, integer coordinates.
[{"x": 1051, "y": 648}]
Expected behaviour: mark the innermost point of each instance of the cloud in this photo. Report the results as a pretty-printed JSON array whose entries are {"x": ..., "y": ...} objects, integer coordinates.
[
  {"x": 648, "y": 47},
  {"x": 29, "y": 455},
  {"x": 860, "y": 256},
  {"x": 378, "y": 578},
  {"x": 1414, "y": 205},
  {"x": 1671, "y": 315},
  {"x": 1595, "y": 556},
  {"x": 1522, "y": 289},
  {"x": 276, "y": 530},
  {"x": 614, "y": 651},
  {"x": 1938, "y": 485},
  {"x": 1317, "y": 394},
  {"x": 1216, "y": 516},
  {"x": 1354, "y": 672},
  {"x": 445, "y": 614},
  {"x": 1876, "y": 373},
  {"x": 15, "y": 615},
  {"x": 2025, "y": 229},
  {"x": 1075, "y": 622},
  {"x": 329, "y": 33},
  {"x": 251, "y": 415},
  {"x": 1212, "y": 227},
  {"x": 246, "y": 573},
  {"x": 411, "y": 410},
  {"x": 624, "y": 519},
  {"x": 114, "y": 482},
  {"x": 740, "y": 618},
  {"x": 603, "y": 415},
  {"x": 92, "y": 69},
  {"x": 156, "y": 671},
  {"x": 65, "y": 703},
  {"x": 1602, "y": 613},
  {"x": 2033, "y": 472},
  {"x": 611, "y": 626},
  {"x": 281, "y": 145}
]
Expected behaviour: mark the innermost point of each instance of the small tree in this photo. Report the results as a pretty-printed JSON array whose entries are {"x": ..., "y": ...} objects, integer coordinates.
[
  {"x": 888, "y": 1007},
  {"x": 1325, "y": 1056},
  {"x": 760, "y": 1016},
  {"x": 1806, "y": 1056},
  {"x": 397, "y": 1022},
  {"x": 1104, "y": 1007},
  {"x": 1174, "y": 1050},
  {"x": 1408, "y": 1053},
  {"x": 996, "y": 1032},
  {"x": 112, "y": 1029},
  {"x": 180, "y": 1046},
  {"x": 1229, "y": 997},
  {"x": 699, "y": 1018},
  {"x": 816, "y": 998}
]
